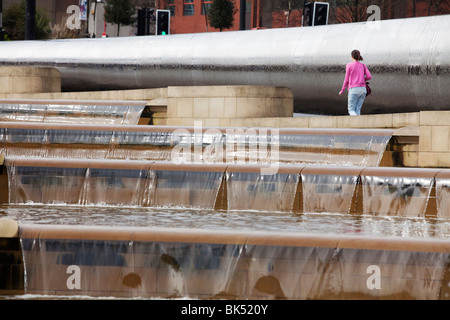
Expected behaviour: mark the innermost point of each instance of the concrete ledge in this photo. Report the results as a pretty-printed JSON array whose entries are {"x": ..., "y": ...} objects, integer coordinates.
[
  {"x": 159, "y": 95},
  {"x": 29, "y": 80},
  {"x": 230, "y": 237},
  {"x": 8, "y": 228},
  {"x": 229, "y": 91},
  {"x": 379, "y": 121},
  {"x": 217, "y": 102}
]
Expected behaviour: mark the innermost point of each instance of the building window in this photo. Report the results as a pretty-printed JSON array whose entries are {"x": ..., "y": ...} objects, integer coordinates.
[
  {"x": 188, "y": 8},
  {"x": 206, "y": 4},
  {"x": 248, "y": 7},
  {"x": 171, "y": 7}
]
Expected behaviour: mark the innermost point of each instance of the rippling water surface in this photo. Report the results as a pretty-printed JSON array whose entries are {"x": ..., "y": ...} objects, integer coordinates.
[{"x": 278, "y": 222}]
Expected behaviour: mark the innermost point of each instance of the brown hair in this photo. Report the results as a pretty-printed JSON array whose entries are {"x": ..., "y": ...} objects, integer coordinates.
[{"x": 357, "y": 55}]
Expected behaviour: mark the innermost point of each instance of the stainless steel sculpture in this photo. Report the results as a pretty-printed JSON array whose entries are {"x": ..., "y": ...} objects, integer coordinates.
[{"x": 409, "y": 60}]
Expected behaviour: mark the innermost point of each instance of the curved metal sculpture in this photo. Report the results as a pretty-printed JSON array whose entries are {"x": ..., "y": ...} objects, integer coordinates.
[{"x": 409, "y": 60}]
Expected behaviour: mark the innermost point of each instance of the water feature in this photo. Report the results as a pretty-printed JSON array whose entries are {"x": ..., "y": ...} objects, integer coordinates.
[
  {"x": 269, "y": 221},
  {"x": 294, "y": 188},
  {"x": 327, "y": 224},
  {"x": 233, "y": 260},
  {"x": 248, "y": 189},
  {"x": 72, "y": 111},
  {"x": 408, "y": 194},
  {"x": 188, "y": 145}
]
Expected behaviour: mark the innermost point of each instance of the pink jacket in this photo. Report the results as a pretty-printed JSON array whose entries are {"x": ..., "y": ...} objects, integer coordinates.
[{"x": 356, "y": 75}]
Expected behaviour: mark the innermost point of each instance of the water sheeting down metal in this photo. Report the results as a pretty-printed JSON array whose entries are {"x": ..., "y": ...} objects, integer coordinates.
[
  {"x": 211, "y": 264},
  {"x": 397, "y": 192},
  {"x": 344, "y": 147},
  {"x": 72, "y": 111}
]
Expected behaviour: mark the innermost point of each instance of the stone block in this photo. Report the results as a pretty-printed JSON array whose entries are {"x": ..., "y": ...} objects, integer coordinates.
[
  {"x": 323, "y": 122},
  {"x": 237, "y": 122},
  {"x": 172, "y": 121},
  {"x": 425, "y": 140},
  {"x": 185, "y": 107},
  {"x": 232, "y": 101},
  {"x": 224, "y": 122},
  {"x": 211, "y": 122},
  {"x": 189, "y": 92},
  {"x": 29, "y": 80},
  {"x": 411, "y": 159},
  {"x": 428, "y": 159},
  {"x": 5, "y": 84},
  {"x": 444, "y": 160},
  {"x": 440, "y": 138},
  {"x": 230, "y": 107},
  {"x": 300, "y": 122},
  {"x": 366, "y": 121},
  {"x": 252, "y": 107},
  {"x": 172, "y": 107},
  {"x": 263, "y": 122},
  {"x": 400, "y": 120},
  {"x": 281, "y": 107},
  {"x": 201, "y": 107},
  {"x": 434, "y": 118},
  {"x": 216, "y": 107}
]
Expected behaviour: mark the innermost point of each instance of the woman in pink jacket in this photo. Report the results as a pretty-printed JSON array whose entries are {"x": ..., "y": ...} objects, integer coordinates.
[{"x": 355, "y": 79}]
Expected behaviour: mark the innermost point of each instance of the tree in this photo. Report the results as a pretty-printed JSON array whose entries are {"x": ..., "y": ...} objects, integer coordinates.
[
  {"x": 356, "y": 10},
  {"x": 120, "y": 12},
  {"x": 291, "y": 12},
  {"x": 352, "y": 11},
  {"x": 438, "y": 7},
  {"x": 221, "y": 14},
  {"x": 14, "y": 22}
]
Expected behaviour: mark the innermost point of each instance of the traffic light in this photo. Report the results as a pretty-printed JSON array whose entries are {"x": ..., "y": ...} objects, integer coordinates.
[
  {"x": 308, "y": 14},
  {"x": 141, "y": 22},
  {"x": 144, "y": 17},
  {"x": 162, "y": 22},
  {"x": 315, "y": 13},
  {"x": 320, "y": 16}
]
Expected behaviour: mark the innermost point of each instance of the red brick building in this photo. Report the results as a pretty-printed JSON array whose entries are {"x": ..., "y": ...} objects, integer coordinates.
[{"x": 189, "y": 16}]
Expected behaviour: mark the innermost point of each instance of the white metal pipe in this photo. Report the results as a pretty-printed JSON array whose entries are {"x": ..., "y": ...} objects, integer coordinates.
[{"x": 409, "y": 60}]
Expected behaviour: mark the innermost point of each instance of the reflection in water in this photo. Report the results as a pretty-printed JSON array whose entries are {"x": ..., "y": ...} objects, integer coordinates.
[
  {"x": 406, "y": 196},
  {"x": 268, "y": 221}
]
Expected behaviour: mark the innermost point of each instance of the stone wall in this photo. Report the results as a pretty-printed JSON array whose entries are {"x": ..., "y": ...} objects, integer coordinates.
[
  {"x": 218, "y": 105},
  {"x": 29, "y": 80}
]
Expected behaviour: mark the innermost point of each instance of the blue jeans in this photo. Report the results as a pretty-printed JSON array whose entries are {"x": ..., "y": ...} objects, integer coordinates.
[{"x": 356, "y": 98}]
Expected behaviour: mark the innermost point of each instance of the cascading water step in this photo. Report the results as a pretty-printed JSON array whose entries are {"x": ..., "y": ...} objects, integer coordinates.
[
  {"x": 189, "y": 144},
  {"x": 100, "y": 261},
  {"x": 106, "y": 112},
  {"x": 406, "y": 192}
]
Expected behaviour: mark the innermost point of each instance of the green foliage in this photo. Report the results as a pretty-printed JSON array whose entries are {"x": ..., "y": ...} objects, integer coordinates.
[
  {"x": 221, "y": 14},
  {"x": 120, "y": 12},
  {"x": 14, "y": 22}
]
